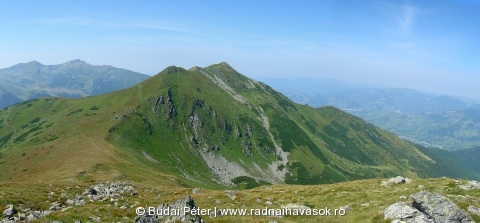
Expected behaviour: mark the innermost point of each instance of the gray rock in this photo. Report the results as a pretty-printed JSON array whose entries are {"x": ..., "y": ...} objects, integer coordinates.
[
  {"x": 399, "y": 180},
  {"x": 471, "y": 185},
  {"x": 95, "y": 219},
  {"x": 22, "y": 216},
  {"x": 474, "y": 210},
  {"x": 231, "y": 194},
  {"x": 146, "y": 219},
  {"x": 55, "y": 206},
  {"x": 196, "y": 190},
  {"x": 9, "y": 211},
  {"x": 104, "y": 191},
  {"x": 440, "y": 208},
  {"x": 177, "y": 217},
  {"x": 401, "y": 212},
  {"x": 296, "y": 206},
  {"x": 384, "y": 184},
  {"x": 69, "y": 202},
  {"x": 345, "y": 208}
]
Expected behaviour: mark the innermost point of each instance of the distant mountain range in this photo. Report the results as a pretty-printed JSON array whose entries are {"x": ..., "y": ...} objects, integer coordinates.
[
  {"x": 208, "y": 127},
  {"x": 431, "y": 120},
  {"x": 72, "y": 79}
]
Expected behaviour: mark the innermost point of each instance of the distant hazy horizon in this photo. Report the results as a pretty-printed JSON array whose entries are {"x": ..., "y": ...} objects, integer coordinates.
[{"x": 429, "y": 46}]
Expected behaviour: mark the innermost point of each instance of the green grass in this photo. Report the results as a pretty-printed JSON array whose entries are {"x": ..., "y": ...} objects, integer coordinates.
[{"x": 332, "y": 196}]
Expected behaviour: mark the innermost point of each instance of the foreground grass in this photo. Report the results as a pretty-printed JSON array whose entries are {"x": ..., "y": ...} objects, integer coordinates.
[{"x": 366, "y": 200}]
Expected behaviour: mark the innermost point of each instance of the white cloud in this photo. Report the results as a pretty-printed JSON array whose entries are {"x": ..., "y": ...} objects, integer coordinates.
[{"x": 406, "y": 20}]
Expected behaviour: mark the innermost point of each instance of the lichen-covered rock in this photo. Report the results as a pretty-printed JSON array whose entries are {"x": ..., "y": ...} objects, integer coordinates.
[{"x": 439, "y": 208}]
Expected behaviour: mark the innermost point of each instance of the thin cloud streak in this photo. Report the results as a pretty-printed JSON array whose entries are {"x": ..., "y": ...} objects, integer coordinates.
[
  {"x": 406, "y": 20},
  {"x": 87, "y": 22}
]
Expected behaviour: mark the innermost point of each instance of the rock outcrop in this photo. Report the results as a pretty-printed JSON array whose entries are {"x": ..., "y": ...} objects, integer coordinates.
[
  {"x": 470, "y": 185},
  {"x": 396, "y": 180},
  {"x": 104, "y": 192},
  {"x": 427, "y": 207},
  {"x": 440, "y": 208},
  {"x": 9, "y": 211},
  {"x": 402, "y": 212},
  {"x": 108, "y": 190}
]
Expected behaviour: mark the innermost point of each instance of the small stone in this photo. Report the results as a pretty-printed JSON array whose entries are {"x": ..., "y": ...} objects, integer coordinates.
[
  {"x": 196, "y": 190},
  {"x": 9, "y": 211},
  {"x": 384, "y": 184},
  {"x": 70, "y": 202},
  {"x": 365, "y": 205},
  {"x": 22, "y": 216}
]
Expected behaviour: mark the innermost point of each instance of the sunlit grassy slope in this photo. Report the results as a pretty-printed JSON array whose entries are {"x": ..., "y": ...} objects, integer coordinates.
[
  {"x": 366, "y": 200},
  {"x": 206, "y": 127}
]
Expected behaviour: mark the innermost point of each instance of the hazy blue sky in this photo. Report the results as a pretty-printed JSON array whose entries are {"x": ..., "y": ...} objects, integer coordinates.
[{"x": 430, "y": 45}]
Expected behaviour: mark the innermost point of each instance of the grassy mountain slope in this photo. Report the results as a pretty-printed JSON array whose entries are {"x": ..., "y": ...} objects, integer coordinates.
[
  {"x": 430, "y": 120},
  {"x": 75, "y": 78},
  {"x": 470, "y": 158},
  {"x": 365, "y": 198},
  {"x": 204, "y": 126},
  {"x": 453, "y": 130}
]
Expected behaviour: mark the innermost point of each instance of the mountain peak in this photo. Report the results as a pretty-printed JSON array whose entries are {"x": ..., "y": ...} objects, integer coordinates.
[
  {"x": 76, "y": 61},
  {"x": 34, "y": 62},
  {"x": 173, "y": 69},
  {"x": 223, "y": 65},
  {"x": 195, "y": 68}
]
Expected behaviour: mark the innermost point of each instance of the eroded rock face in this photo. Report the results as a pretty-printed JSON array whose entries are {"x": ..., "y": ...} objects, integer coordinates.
[
  {"x": 175, "y": 213},
  {"x": 440, "y": 208}
]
